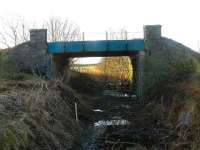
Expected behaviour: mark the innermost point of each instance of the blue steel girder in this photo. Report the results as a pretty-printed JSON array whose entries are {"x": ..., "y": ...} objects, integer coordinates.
[{"x": 96, "y": 48}]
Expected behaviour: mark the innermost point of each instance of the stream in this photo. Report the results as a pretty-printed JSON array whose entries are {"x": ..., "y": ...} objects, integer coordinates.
[
  {"x": 121, "y": 123},
  {"x": 93, "y": 141},
  {"x": 113, "y": 110}
]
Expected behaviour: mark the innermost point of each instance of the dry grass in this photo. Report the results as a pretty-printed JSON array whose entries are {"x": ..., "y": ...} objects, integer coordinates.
[
  {"x": 38, "y": 115},
  {"x": 187, "y": 101},
  {"x": 111, "y": 67}
]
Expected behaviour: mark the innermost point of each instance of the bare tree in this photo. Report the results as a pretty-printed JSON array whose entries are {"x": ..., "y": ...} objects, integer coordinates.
[
  {"x": 62, "y": 30},
  {"x": 16, "y": 30},
  {"x": 119, "y": 35},
  {"x": 59, "y": 29},
  {"x": 13, "y": 32},
  {"x": 118, "y": 67}
]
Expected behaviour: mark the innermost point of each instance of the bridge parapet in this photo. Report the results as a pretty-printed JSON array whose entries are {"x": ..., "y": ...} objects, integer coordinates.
[
  {"x": 38, "y": 35},
  {"x": 152, "y": 32},
  {"x": 38, "y": 50},
  {"x": 38, "y": 38}
]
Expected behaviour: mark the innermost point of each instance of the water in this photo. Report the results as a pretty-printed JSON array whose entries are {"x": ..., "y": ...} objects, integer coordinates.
[
  {"x": 111, "y": 123},
  {"x": 98, "y": 110},
  {"x": 118, "y": 94},
  {"x": 98, "y": 129}
]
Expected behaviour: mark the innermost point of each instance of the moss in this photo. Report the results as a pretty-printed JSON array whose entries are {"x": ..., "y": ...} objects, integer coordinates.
[
  {"x": 14, "y": 137},
  {"x": 15, "y": 76}
]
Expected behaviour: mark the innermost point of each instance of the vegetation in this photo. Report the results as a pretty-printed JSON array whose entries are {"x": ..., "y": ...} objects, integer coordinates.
[
  {"x": 179, "y": 94},
  {"x": 166, "y": 86},
  {"x": 183, "y": 70},
  {"x": 36, "y": 114},
  {"x": 117, "y": 67},
  {"x": 16, "y": 30},
  {"x": 9, "y": 70},
  {"x": 112, "y": 73},
  {"x": 85, "y": 83},
  {"x": 15, "y": 135}
]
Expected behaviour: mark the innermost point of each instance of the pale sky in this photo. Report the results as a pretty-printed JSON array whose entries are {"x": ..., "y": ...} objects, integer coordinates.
[{"x": 180, "y": 19}]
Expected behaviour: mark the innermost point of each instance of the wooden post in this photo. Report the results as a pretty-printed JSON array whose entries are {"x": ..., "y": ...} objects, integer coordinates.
[
  {"x": 126, "y": 38},
  {"x": 126, "y": 35},
  {"x": 83, "y": 36},
  {"x": 83, "y": 42},
  {"x": 106, "y": 35},
  {"x": 76, "y": 112}
]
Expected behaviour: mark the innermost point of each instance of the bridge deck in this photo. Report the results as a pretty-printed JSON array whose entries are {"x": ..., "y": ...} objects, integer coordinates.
[{"x": 96, "y": 48}]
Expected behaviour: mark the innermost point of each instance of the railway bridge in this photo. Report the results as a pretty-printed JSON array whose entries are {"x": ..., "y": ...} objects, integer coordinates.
[
  {"x": 61, "y": 51},
  {"x": 151, "y": 55}
]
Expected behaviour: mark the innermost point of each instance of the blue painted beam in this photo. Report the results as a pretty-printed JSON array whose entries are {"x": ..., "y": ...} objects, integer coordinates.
[{"x": 103, "y": 46}]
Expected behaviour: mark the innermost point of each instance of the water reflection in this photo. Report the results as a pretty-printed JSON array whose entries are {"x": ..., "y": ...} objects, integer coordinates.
[{"x": 111, "y": 122}]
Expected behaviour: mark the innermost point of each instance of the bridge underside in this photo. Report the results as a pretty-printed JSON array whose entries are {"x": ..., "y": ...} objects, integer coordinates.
[
  {"x": 97, "y": 54},
  {"x": 62, "y": 51},
  {"x": 97, "y": 48}
]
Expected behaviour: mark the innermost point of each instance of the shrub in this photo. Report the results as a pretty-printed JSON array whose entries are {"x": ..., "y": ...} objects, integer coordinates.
[
  {"x": 14, "y": 136},
  {"x": 85, "y": 83},
  {"x": 165, "y": 85},
  {"x": 10, "y": 71},
  {"x": 183, "y": 70}
]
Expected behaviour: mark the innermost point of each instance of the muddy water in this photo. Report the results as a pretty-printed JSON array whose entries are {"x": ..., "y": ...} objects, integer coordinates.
[
  {"x": 120, "y": 125},
  {"x": 111, "y": 112}
]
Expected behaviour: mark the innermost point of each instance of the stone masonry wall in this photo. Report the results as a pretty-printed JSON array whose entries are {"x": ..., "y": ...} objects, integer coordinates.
[
  {"x": 160, "y": 53},
  {"x": 32, "y": 55}
]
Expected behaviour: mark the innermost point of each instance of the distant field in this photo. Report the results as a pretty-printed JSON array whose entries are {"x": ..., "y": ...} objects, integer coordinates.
[{"x": 111, "y": 68}]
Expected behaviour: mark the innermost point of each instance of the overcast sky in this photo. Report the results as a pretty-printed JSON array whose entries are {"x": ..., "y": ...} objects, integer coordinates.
[{"x": 180, "y": 19}]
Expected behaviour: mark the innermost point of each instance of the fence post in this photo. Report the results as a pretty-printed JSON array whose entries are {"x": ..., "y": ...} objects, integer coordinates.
[{"x": 76, "y": 112}]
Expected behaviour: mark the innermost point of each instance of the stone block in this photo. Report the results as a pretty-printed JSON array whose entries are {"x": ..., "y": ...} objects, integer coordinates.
[{"x": 152, "y": 32}]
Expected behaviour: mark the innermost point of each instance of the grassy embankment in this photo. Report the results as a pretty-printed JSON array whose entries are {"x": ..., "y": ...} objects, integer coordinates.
[
  {"x": 176, "y": 103},
  {"x": 37, "y": 114},
  {"x": 170, "y": 116},
  {"x": 9, "y": 70}
]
